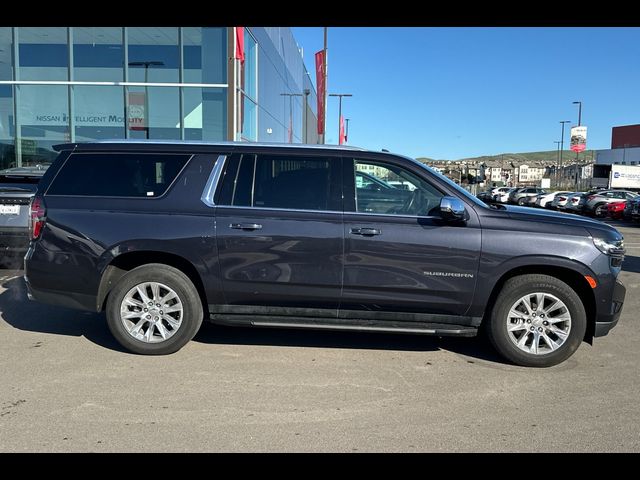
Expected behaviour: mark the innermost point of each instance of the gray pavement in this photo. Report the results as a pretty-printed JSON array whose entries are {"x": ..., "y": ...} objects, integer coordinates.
[{"x": 66, "y": 386}]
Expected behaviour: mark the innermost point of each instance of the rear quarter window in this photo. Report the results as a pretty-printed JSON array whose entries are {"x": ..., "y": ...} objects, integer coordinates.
[{"x": 111, "y": 174}]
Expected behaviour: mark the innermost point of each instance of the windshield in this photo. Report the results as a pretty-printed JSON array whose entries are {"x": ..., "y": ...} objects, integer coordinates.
[{"x": 454, "y": 185}]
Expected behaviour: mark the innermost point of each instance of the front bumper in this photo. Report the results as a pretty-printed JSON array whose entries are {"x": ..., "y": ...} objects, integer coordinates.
[{"x": 608, "y": 319}]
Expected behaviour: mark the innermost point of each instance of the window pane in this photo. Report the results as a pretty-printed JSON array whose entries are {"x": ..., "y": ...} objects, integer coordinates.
[
  {"x": 7, "y": 122},
  {"x": 153, "y": 54},
  {"x": 99, "y": 112},
  {"x": 388, "y": 189},
  {"x": 43, "y": 53},
  {"x": 205, "y": 113},
  {"x": 249, "y": 120},
  {"x": 154, "y": 112},
  {"x": 282, "y": 182},
  {"x": 205, "y": 54},
  {"x": 250, "y": 65},
  {"x": 98, "y": 54},
  {"x": 44, "y": 121},
  {"x": 117, "y": 175}
]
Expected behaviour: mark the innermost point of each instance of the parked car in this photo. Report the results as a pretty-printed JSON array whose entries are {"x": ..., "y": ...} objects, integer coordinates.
[
  {"x": 635, "y": 209},
  {"x": 544, "y": 199},
  {"x": 161, "y": 235},
  {"x": 615, "y": 210},
  {"x": 485, "y": 196},
  {"x": 503, "y": 196},
  {"x": 575, "y": 202},
  {"x": 560, "y": 201},
  {"x": 626, "y": 213},
  {"x": 520, "y": 195},
  {"x": 497, "y": 193},
  {"x": 17, "y": 187},
  {"x": 596, "y": 204}
]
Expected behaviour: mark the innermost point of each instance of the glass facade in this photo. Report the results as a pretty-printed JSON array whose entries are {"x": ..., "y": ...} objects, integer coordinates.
[{"x": 68, "y": 84}]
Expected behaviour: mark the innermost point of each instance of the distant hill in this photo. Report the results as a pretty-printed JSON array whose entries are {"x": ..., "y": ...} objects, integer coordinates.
[{"x": 549, "y": 157}]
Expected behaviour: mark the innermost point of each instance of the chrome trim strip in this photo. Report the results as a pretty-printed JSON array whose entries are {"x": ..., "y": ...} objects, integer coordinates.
[
  {"x": 332, "y": 211},
  {"x": 212, "y": 182}
]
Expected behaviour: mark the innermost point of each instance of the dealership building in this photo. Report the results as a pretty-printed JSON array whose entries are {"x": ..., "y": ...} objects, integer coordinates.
[{"x": 74, "y": 84}]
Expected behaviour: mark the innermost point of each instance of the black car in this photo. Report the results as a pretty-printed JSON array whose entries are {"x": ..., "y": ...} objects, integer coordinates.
[
  {"x": 17, "y": 187},
  {"x": 163, "y": 234}
]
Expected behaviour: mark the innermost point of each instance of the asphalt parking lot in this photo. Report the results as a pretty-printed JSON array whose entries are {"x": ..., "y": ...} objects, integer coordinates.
[{"x": 66, "y": 386}]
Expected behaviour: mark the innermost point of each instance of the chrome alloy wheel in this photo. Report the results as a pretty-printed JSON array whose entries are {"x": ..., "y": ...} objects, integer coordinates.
[
  {"x": 539, "y": 323},
  {"x": 151, "y": 312}
]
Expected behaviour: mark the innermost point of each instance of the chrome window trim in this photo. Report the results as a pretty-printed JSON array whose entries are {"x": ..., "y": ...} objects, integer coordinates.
[
  {"x": 277, "y": 209},
  {"x": 212, "y": 182}
]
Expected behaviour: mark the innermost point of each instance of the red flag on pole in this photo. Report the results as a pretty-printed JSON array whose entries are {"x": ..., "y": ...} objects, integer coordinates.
[
  {"x": 343, "y": 137},
  {"x": 321, "y": 88},
  {"x": 240, "y": 43}
]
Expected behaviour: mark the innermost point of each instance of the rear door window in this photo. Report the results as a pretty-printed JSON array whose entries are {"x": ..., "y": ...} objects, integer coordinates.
[
  {"x": 283, "y": 182},
  {"x": 110, "y": 174}
]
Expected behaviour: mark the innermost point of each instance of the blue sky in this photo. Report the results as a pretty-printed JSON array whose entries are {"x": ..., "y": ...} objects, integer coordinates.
[{"x": 462, "y": 92}]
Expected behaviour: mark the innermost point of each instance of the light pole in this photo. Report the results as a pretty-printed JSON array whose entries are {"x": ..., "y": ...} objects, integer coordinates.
[
  {"x": 562, "y": 122},
  {"x": 307, "y": 91},
  {"x": 579, "y": 103},
  {"x": 340, "y": 95},
  {"x": 146, "y": 65},
  {"x": 557, "y": 142}
]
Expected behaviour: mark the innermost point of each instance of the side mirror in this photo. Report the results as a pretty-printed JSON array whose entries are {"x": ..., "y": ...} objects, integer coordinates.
[{"x": 452, "y": 208}]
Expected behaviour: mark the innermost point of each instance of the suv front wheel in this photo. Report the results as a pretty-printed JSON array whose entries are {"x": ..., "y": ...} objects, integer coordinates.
[
  {"x": 537, "y": 321},
  {"x": 154, "y": 309}
]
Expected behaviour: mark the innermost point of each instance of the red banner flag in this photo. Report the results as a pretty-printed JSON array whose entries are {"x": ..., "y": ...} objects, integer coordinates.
[
  {"x": 240, "y": 43},
  {"x": 343, "y": 137},
  {"x": 321, "y": 89}
]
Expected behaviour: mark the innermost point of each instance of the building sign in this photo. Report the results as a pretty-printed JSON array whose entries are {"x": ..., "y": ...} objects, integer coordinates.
[
  {"x": 137, "y": 111},
  {"x": 578, "y": 138},
  {"x": 625, "y": 176}
]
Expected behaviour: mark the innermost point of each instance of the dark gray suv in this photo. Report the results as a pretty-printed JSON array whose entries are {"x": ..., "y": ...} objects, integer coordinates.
[{"x": 162, "y": 235}]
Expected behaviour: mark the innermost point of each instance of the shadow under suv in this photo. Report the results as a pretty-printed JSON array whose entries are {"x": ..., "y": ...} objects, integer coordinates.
[{"x": 162, "y": 235}]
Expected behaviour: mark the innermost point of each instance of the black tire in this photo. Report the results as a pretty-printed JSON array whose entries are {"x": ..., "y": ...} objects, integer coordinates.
[
  {"x": 176, "y": 280},
  {"x": 597, "y": 211},
  {"x": 519, "y": 286},
  {"x": 521, "y": 201}
]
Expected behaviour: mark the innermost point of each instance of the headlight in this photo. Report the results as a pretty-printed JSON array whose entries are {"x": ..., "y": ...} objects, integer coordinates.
[{"x": 615, "y": 247}]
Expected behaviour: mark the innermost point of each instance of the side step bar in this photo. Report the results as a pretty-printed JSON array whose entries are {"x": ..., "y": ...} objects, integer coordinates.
[{"x": 422, "y": 328}]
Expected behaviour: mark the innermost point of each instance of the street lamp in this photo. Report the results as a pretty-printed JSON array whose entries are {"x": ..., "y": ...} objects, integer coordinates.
[
  {"x": 146, "y": 65},
  {"x": 562, "y": 122},
  {"x": 557, "y": 142},
  {"x": 340, "y": 95}
]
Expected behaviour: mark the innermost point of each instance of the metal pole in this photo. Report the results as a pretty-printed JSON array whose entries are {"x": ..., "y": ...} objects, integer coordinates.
[
  {"x": 324, "y": 94},
  {"x": 339, "y": 120},
  {"x": 561, "y": 149}
]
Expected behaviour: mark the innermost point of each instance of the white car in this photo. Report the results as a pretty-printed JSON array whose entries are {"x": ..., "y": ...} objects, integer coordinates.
[
  {"x": 503, "y": 195},
  {"x": 497, "y": 192},
  {"x": 560, "y": 201},
  {"x": 544, "y": 200}
]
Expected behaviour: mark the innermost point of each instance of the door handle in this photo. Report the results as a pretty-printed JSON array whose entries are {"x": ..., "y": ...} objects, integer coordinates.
[
  {"x": 246, "y": 226},
  {"x": 367, "y": 231}
]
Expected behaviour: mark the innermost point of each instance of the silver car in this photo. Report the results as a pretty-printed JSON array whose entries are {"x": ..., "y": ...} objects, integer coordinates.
[
  {"x": 596, "y": 204},
  {"x": 520, "y": 196}
]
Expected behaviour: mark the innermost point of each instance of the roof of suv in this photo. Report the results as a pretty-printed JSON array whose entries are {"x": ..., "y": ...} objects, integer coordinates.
[{"x": 116, "y": 144}]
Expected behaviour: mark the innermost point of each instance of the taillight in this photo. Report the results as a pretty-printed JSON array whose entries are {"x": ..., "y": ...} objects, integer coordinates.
[
  {"x": 562, "y": 199},
  {"x": 590, "y": 197},
  {"x": 37, "y": 216}
]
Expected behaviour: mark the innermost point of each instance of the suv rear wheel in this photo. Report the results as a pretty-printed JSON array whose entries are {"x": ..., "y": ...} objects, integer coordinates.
[
  {"x": 154, "y": 309},
  {"x": 537, "y": 321}
]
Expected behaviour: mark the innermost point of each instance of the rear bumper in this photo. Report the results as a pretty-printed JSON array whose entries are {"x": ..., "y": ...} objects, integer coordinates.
[
  {"x": 61, "y": 299},
  {"x": 608, "y": 318},
  {"x": 14, "y": 241}
]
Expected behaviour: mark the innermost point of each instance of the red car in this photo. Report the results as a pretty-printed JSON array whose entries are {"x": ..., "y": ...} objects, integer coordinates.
[{"x": 616, "y": 209}]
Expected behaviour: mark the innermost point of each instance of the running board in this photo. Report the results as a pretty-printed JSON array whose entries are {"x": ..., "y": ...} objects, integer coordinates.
[{"x": 422, "y": 328}]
